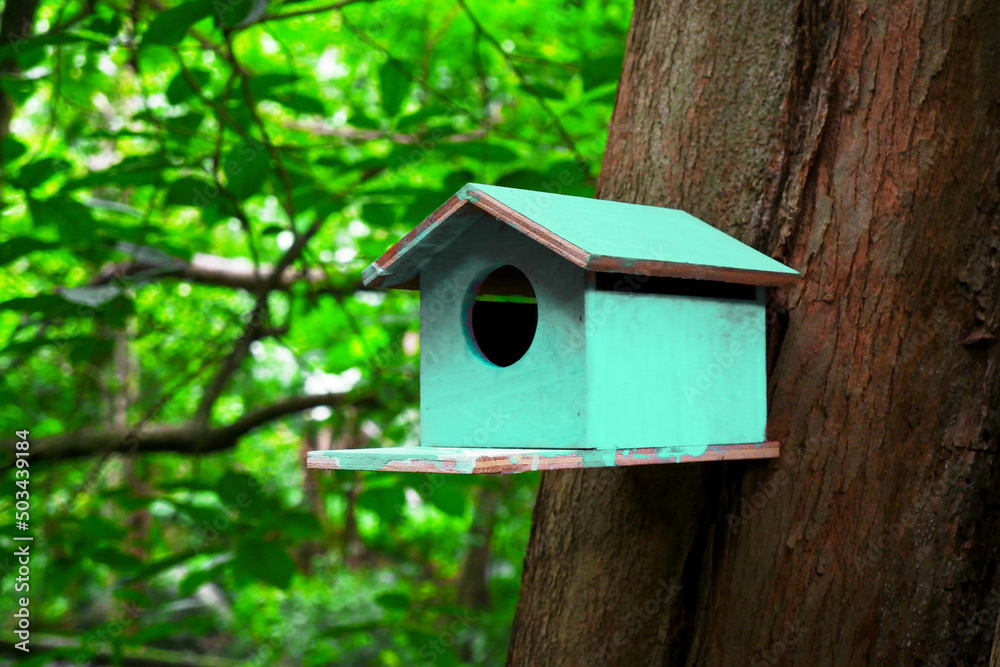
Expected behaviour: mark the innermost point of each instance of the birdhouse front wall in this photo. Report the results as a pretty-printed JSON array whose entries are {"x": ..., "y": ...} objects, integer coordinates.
[
  {"x": 674, "y": 370},
  {"x": 465, "y": 399}
]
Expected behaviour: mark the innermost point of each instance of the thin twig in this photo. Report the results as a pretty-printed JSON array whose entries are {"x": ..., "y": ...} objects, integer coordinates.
[
  {"x": 259, "y": 316},
  {"x": 556, "y": 122},
  {"x": 419, "y": 80},
  {"x": 286, "y": 182}
]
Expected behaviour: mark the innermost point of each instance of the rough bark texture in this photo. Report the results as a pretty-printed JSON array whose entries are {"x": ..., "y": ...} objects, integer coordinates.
[
  {"x": 859, "y": 143},
  {"x": 995, "y": 657}
]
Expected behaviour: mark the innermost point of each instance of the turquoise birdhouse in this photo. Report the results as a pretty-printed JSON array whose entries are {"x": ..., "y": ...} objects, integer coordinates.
[{"x": 562, "y": 332}]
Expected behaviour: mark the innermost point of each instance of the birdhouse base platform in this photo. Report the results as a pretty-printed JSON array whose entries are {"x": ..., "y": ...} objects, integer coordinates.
[{"x": 478, "y": 461}]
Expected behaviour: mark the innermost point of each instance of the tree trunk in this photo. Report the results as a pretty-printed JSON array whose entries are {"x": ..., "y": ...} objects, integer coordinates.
[
  {"x": 860, "y": 144},
  {"x": 995, "y": 655}
]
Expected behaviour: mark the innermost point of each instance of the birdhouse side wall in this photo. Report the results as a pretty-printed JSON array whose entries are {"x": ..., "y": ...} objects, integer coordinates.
[
  {"x": 668, "y": 370},
  {"x": 465, "y": 400}
]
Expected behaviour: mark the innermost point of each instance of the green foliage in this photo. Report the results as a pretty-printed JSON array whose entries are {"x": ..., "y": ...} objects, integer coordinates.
[{"x": 156, "y": 163}]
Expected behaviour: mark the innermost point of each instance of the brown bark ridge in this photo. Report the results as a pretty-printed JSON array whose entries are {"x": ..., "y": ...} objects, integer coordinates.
[{"x": 859, "y": 143}]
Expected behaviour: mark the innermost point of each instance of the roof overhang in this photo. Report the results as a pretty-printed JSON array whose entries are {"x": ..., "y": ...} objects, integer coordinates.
[{"x": 400, "y": 265}]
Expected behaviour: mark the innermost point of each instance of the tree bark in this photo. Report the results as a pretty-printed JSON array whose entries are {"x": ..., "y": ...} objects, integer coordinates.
[
  {"x": 859, "y": 143},
  {"x": 995, "y": 654}
]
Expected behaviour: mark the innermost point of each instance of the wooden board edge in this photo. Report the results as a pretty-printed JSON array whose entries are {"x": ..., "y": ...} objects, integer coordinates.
[
  {"x": 530, "y": 228},
  {"x": 486, "y": 463},
  {"x": 648, "y": 267}
]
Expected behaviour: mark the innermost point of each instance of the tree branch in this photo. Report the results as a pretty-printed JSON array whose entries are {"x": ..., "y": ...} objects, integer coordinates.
[
  {"x": 220, "y": 272},
  {"x": 186, "y": 438},
  {"x": 140, "y": 656}
]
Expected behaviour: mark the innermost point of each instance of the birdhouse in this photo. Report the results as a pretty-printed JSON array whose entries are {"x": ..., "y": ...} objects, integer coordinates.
[{"x": 564, "y": 332}]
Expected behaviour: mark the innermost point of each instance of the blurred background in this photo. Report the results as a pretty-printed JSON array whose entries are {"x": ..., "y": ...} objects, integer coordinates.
[{"x": 189, "y": 193}]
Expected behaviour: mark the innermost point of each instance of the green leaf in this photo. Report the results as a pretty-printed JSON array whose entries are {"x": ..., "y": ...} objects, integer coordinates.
[
  {"x": 247, "y": 166},
  {"x": 32, "y": 344},
  {"x": 193, "y": 581},
  {"x": 136, "y": 170},
  {"x": 450, "y": 498},
  {"x": 60, "y": 573},
  {"x": 155, "y": 632},
  {"x": 420, "y": 117},
  {"x": 20, "y": 246},
  {"x": 478, "y": 150},
  {"x": 105, "y": 26},
  {"x": 218, "y": 210},
  {"x": 70, "y": 217},
  {"x": 261, "y": 85},
  {"x": 457, "y": 179},
  {"x": 394, "y": 86},
  {"x": 599, "y": 71},
  {"x": 305, "y": 104},
  {"x": 205, "y": 518},
  {"x": 18, "y": 89},
  {"x": 544, "y": 90},
  {"x": 266, "y": 561},
  {"x": 115, "y": 559},
  {"x": 189, "y": 191},
  {"x": 379, "y": 215},
  {"x": 90, "y": 350},
  {"x": 12, "y": 149},
  {"x": 18, "y": 47},
  {"x": 180, "y": 88},
  {"x": 337, "y": 162},
  {"x": 171, "y": 26},
  {"x": 116, "y": 311},
  {"x": 184, "y": 126},
  {"x": 394, "y": 600},
  {"x": 45, "y": 304},
  {"x": 361, "y": 120},
  {"x": 38, "y": 172},
  {"x": 154, "y": 567},
  {"x": 387, "y": 502},
  {"x": 300, "y": 525},
  {"x": 137, "y": 598},
  {"x": 99, "y": 528},
  {"x": 237, "y": 489},
  {"x": 526, "y": 179}
]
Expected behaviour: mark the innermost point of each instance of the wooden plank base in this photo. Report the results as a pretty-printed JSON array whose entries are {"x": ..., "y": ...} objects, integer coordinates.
[{"x": 471, "y": 461}]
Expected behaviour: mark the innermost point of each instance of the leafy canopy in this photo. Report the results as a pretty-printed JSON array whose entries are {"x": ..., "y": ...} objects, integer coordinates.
[{"x": 189, "y": 193}]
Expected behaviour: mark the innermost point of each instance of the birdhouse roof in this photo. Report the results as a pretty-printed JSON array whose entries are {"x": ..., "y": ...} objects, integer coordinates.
[{"x": 595, "y": 234}]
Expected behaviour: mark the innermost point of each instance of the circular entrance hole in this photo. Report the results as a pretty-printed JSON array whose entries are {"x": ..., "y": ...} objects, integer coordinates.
[{"x": 504, "y": 316}]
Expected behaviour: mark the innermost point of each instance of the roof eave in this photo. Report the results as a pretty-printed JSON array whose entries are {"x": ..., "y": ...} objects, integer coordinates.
[
  {"x": 399, "y": 269},
  {"x": 645, "y": 267}
]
